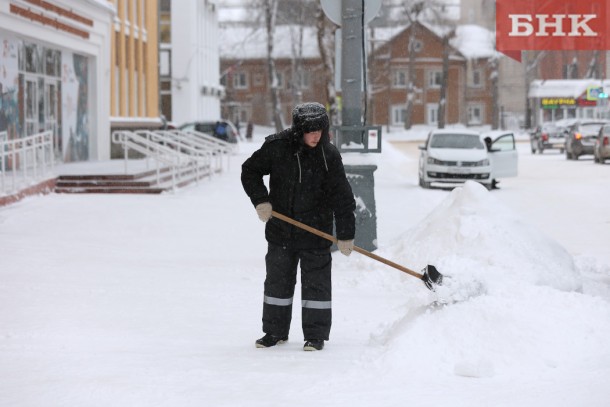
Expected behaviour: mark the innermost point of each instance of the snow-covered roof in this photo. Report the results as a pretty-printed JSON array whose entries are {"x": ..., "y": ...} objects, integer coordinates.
[
  {"x": 251, "y": 42},
  {"x": 572, "y": 88},
  {"x": 474, "y": 41}
]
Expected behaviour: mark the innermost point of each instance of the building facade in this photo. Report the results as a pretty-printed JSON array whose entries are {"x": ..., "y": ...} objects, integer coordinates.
[
  {"x": 134, "y": 76},
  {"x": 468, "y": 93},
  {"x": 189, "y": 61},
  {"x": 54, "y": 74},
  {"x": 245, "y": 77}
]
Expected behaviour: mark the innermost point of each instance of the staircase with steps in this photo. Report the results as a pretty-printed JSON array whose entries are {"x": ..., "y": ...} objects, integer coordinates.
[{"x": 145, "y": 182}]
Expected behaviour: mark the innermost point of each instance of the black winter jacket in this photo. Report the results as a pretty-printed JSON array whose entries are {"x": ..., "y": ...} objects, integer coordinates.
[{"x": 306, "y": 184}]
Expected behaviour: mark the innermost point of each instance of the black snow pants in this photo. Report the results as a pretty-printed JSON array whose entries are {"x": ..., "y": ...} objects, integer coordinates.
[{"x": 315, "y": 291}]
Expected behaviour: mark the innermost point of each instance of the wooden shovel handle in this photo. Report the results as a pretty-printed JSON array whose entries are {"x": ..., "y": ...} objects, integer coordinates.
[{"x": 356, "y": 248}]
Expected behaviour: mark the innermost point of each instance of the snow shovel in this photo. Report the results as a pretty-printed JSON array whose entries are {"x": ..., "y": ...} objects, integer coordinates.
[{"x": 431, "y": 277}]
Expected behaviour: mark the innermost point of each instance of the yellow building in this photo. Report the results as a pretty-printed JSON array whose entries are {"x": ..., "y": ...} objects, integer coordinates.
[{"x": 134, "y": 76}]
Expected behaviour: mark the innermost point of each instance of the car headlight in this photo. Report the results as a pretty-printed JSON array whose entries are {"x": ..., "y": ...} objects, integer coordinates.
[
  {"x": 483, "y": 163},
  {"x": 434, "y": 161}
]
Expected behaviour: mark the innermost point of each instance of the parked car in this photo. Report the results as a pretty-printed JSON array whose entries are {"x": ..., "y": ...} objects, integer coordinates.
[
  {"x": 580, "y": 137},
  {"x": 221, "y": 129},
  {"x": 452, "y": 157},
  {"x": 548, "y": 136},
  {"x": 601, "y": 150}
]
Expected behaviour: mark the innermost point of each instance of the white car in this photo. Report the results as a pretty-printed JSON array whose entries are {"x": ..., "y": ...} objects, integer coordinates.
[{"x": 451, "y": 157}]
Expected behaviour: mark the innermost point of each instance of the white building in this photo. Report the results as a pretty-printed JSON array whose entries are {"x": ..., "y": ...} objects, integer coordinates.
[
  {"x": 190, "y": 62},
  {"x": 54, "y": 73}
]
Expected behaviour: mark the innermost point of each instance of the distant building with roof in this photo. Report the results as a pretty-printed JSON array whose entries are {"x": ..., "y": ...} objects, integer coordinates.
[
  {"x": 243, "y": 63},
  {"x": 559, "y": 99}
]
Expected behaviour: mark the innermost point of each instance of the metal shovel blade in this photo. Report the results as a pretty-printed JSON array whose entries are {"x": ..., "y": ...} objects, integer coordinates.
[{"x": 431, "y": 277}]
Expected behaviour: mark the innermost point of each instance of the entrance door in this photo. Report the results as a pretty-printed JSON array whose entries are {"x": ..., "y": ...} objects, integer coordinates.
[
  {"x": 51, "y": 111},
  {"x": 31, "y": 106}
]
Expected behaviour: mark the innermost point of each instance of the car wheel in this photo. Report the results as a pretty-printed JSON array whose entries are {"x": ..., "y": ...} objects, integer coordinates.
[
  {"x": 568, "y": 156},
  {"x": 574, "y": 157},
  {"x": 423, "y": 184}
]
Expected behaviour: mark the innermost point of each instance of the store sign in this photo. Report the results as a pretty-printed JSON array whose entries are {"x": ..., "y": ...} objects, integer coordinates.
[
  {"x": 550, "y": 25},
  {"x": 594, "y": 92},
  {"x": 554, "y": 103}
]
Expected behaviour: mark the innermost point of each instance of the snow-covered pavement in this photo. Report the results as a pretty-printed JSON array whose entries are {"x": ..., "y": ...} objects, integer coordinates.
[{"x": 156, "y": 300}]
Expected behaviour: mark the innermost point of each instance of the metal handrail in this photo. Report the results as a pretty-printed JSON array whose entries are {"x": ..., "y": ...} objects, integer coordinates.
[
  {"x": 181, "y": 155},
  {"x": 217, "y": 151},
  {"x": 25, "y": 160}
]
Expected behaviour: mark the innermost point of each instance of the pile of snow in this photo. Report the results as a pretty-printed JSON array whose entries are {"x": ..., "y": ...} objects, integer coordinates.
[
  {"x": 508, "y": 286},
  {"x": 473, "y": 236}
]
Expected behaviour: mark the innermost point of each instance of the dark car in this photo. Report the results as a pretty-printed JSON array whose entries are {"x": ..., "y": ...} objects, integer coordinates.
[
  {"x": 581, "y": 136},
  {"x": 601, "y": 151},
  {"x": 548, "y": 136},
  {"x": 221, "y": 129}
]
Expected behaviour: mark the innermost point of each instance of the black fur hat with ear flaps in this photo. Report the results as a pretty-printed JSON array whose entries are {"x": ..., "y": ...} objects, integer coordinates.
[{"x": 308, "y": 117}]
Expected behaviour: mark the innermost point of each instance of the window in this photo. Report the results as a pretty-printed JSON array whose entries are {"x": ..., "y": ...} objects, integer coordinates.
[
  {"x": 399, "y": 79},
  {"x": 165, "y": 58},
  {"x": 434, "y": 78},
  {"x": 432, "y": 113},
  {"x": 475, "y": 114},
  {"x": 240, "y": 80},
  {"x": 302, "y": 80},
  {"x": 418, "y": 45},
  {"x": 399, "y": 113},
  {"x": 476, "y": 79},
  {"x": 165, "y": 22}
]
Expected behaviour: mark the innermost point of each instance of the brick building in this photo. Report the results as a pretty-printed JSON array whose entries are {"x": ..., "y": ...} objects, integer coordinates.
[{"x": 469, "y": 101}]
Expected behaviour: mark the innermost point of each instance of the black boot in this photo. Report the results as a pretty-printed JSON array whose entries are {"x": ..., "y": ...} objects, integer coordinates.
[
  {"x": 269, "y": 340},
  {"x": 314, "y": 344}
]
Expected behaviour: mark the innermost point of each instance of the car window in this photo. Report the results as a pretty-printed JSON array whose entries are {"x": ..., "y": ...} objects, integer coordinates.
[
  {"x": 590, "y": 128},
  {"x": 205, "y": 127},
  {"x": 505, "y": 142},
  {"x": 451, "y": 140}
]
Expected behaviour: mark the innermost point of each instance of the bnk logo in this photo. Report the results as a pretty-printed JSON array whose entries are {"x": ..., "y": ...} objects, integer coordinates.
[{"x": 550, "y": 25}]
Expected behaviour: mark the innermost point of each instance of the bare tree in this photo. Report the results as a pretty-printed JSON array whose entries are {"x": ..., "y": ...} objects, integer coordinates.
[
  {"x": 270, "y": 12},
  {"x": 593, "y": 69},
  {"x": 531, "y": 66},
  {"x": 442, "y": 103},
  {"x": 413, "y": 12},
  {"x": 495, "y": 110},
  {"x": 326, "y": 40}
]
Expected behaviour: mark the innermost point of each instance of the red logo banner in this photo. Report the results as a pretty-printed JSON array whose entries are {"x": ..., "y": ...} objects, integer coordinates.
[{"x": 538, "y": 25}]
